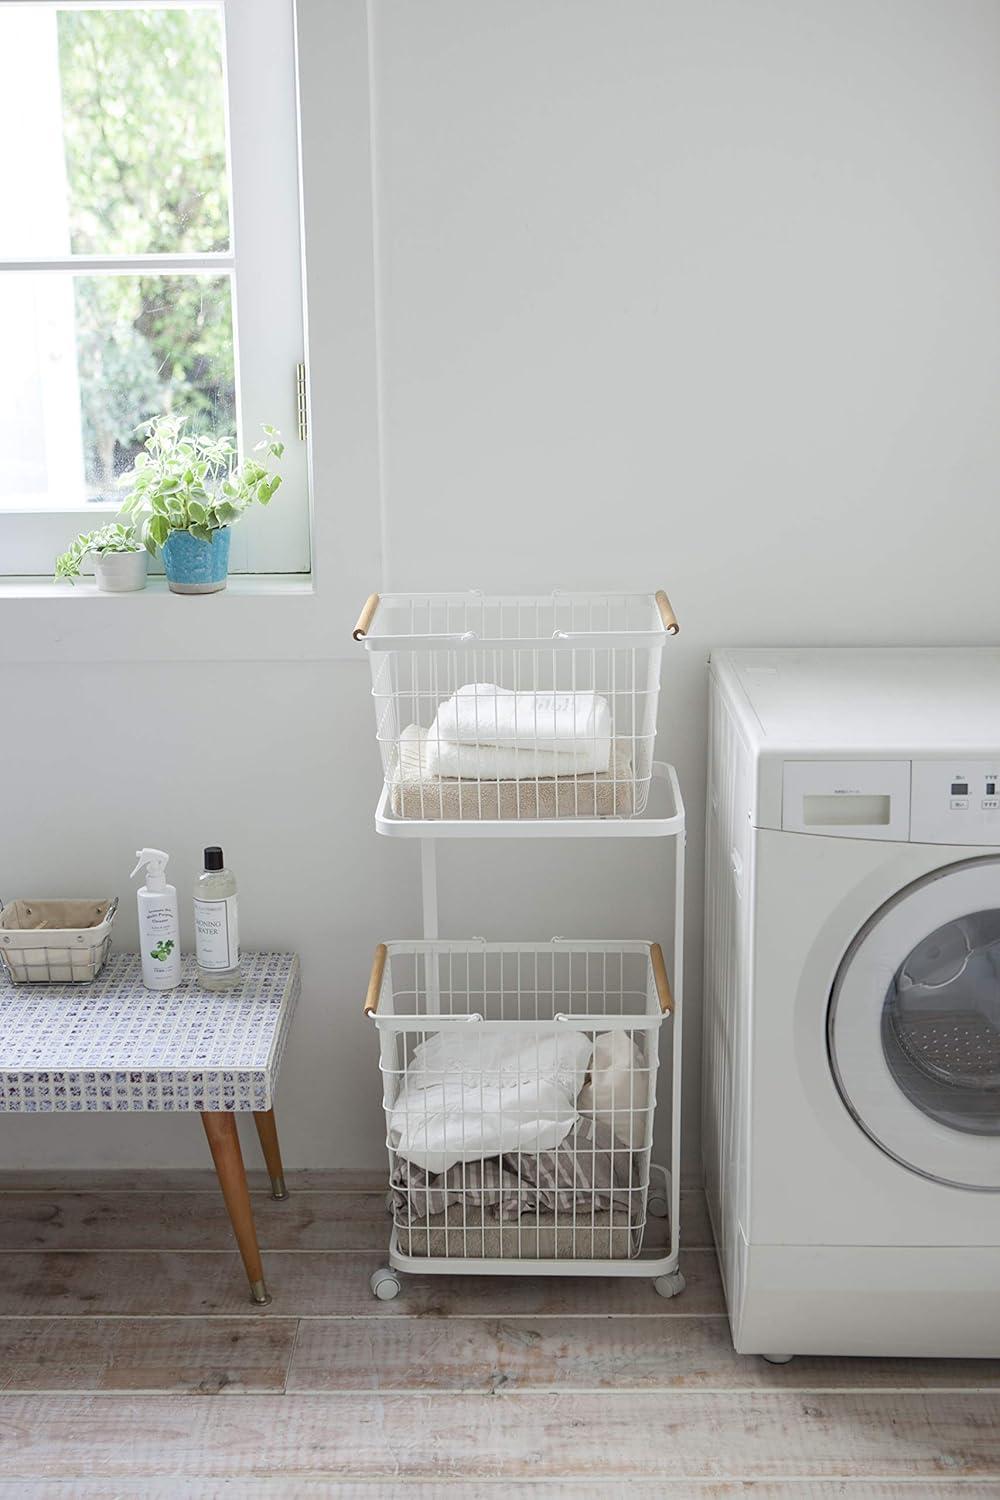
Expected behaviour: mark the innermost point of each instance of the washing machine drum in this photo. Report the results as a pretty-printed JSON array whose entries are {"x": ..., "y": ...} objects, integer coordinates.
[{"x": 914, "y": 1026}]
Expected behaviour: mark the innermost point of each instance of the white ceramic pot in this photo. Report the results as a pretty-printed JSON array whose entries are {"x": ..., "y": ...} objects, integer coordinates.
[{"x": 120, "y": 572}]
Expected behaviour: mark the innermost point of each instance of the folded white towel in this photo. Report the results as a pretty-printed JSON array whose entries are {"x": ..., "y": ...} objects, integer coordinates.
[
  {"x": 416, "y": 793},
  {"x": 576, "y": 724},
  {"x": 497, "y": 763}
]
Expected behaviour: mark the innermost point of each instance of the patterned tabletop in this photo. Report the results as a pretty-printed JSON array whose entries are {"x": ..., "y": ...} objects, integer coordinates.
[{"x": 114, "y": 1045}]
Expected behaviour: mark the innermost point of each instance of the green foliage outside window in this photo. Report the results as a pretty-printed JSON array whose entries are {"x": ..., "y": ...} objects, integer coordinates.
[{"x": 146, "y": 169}]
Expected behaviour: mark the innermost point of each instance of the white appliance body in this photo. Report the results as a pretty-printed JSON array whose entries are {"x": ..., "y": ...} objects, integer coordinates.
[{"x": 851, "y": 1103}]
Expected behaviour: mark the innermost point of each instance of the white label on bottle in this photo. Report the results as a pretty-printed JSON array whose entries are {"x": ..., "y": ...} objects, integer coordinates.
[
  {"x": 216, "y": 933},
  {"x": 159, "y": 933}
]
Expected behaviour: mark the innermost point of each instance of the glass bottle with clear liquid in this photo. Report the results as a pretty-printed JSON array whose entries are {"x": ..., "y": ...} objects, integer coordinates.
[{"x": 216, "y": 924}]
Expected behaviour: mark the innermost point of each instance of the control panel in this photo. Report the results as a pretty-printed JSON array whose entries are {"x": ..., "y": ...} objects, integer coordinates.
[
  {"x": 955, "y": 802},
  {"x": 852, "y": 799},
  {"x": 921, "y": 801}
]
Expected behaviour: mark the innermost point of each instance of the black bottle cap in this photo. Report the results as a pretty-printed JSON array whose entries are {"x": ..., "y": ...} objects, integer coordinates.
[{"x": 213, "y": 858}]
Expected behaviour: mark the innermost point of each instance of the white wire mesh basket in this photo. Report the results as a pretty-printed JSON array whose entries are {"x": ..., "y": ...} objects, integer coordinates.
[
  {"x": 492, "y": 707},
  {"x": 55, "y": 942},
  {"x": 519, "y": 1087}
]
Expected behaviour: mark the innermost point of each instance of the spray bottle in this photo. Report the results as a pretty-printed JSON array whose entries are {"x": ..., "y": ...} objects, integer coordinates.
[{"x": 159, "y": 928}]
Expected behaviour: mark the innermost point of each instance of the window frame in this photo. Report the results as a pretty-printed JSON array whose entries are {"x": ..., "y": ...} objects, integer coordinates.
[{"x": 265, "y": 251}]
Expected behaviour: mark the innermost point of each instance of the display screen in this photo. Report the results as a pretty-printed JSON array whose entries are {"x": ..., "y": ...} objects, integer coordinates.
[
  {"x": 960, "y": 789},
  {"x": 853, "y": 810}
]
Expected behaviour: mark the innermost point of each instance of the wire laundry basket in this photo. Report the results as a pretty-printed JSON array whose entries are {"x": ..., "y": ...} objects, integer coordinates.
[
  {"x": 492, "y": 706},
  {"x": 519, "y": 1088}
]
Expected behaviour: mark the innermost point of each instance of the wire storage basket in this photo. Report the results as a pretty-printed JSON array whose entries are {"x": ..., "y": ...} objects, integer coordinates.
[
  {"x": 55, "y": 942},
  {"x": 492, "y": 706},
  {"x": 519, "y": 1088}
]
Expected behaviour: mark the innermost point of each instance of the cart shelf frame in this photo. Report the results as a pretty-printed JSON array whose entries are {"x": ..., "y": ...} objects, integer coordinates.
[{"x": 644, "y": 631}]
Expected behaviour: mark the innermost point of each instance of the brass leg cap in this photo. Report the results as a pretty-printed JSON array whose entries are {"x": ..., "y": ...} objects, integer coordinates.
[
  {"x": 278, "y": 1188},
  {"x": 259, "y": 1293}
]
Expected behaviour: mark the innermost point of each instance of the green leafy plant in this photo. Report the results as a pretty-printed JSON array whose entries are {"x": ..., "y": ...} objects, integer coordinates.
[
  {"x": 163, "y": 949},
  {"x": 117, "y": 537},
  {"x": 195, "y": 483}
]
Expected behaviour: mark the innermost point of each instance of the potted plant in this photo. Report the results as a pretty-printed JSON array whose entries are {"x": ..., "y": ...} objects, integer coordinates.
[
  {"x": 187, "y": 491},
  {"x": 119, "y": 558}
]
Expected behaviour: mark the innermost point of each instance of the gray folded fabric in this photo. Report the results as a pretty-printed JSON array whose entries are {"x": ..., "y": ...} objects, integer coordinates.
[
  {"x": 417, "y": 794},
  {"x": 583, "y": 1199}
]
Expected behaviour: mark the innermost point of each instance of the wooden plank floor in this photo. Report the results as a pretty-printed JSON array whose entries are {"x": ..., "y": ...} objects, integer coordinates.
[{"x": 122, "y": 1298}]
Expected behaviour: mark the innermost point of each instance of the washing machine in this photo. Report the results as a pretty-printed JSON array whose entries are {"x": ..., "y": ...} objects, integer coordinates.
[{"x": 851, "y": 1090}]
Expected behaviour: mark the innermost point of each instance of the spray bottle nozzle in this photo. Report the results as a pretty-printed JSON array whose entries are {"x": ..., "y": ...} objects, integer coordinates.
[{"x": 155, "y": 861}]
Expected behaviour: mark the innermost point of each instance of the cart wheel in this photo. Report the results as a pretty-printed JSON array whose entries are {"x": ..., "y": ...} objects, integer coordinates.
[
  {"x": 778, "y": 1359},
  {"x": 385, "y": 1284},
  {"x": 670, "y": 1286},
  {"x": 657, "y": 1206}
]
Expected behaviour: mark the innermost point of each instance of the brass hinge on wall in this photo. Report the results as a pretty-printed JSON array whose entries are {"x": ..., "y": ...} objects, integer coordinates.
[{"x": 301, "y": 402}]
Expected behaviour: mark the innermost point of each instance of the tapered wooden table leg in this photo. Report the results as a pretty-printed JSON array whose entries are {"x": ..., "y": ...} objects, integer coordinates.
[
  {"x": 268, "y": 1132},
  {"x": 220, "y": 1127}
]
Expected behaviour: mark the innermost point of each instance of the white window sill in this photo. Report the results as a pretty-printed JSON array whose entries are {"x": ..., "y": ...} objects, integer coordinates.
[
  {"x": 259, "y": 617},
  {"x": 239, "y": 585}
]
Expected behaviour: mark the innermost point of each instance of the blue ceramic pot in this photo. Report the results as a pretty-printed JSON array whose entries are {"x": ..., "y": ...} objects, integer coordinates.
[{"x": 196, "y": 567}]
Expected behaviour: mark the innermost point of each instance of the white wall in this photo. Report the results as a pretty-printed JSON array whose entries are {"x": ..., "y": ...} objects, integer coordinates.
[{"x": 668, "y": 292}]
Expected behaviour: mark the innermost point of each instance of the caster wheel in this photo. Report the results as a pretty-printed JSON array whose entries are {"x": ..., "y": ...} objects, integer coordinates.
[
  {"x": 385, "y": 1284},
  {"x": 778, "y": 1359},
  {"x": 657, "y": 1206},
  {"x": 670, "y": 1286}
]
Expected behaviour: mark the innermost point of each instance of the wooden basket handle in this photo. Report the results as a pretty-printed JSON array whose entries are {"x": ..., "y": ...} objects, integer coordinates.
[
  {"x": 662, "y": 982},
  {"x": 663, "y": 604},
  {"x": 375, "y": 982},
  {"x": 367, "y": 615}
]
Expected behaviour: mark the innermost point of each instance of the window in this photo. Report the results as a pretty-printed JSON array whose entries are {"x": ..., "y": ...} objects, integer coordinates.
[{"x": 149, "y": 256}]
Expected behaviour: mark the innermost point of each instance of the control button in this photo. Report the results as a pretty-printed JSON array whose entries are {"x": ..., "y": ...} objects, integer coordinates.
[
  {"x": 991, "y": 789},
  {"x": 990, "y": 804},
  {"x": 959, "y": 801}
]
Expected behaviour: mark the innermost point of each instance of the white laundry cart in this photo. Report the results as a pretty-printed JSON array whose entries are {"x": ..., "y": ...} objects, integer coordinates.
[{"x": 520, "y": 1079}]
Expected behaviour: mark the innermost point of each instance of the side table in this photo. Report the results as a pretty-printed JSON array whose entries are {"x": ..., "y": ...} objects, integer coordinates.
[{"x": 114, "y": 1046}]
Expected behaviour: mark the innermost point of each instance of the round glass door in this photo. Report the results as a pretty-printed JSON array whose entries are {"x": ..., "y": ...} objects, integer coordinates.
[
  {"x": 914, "y": 1026},
  {"x": 941, "y": 1024}
]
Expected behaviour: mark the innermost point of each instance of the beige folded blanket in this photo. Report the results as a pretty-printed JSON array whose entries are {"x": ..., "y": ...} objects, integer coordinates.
[{"x": 418, "y": 794}]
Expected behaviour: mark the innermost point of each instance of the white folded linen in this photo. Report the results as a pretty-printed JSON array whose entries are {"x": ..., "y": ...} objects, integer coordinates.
[
  {"x": 498, "y": 763},
  {"x": 415, "y": 793},
  {"x": 466, "y": 1096},
  {"x": 480, "y": 713},
  {"x": 616, "y": 1093}
]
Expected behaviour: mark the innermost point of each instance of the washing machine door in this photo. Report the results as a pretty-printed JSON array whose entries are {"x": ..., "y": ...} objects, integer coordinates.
[{"x": 913, "y": 1027}]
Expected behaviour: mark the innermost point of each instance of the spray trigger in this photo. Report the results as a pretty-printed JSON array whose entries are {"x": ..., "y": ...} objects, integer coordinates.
[{"x": 154, "y": 859}]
